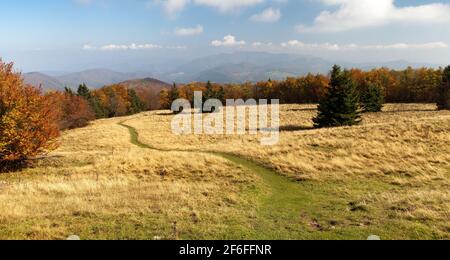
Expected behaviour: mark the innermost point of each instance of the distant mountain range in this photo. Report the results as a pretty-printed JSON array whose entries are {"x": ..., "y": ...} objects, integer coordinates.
[
  {"x": 94, "y": 78},
  {"x": 256, "y": 66},
  {"x": 248, "y": 66},
  {"x": 235, "y": 67},
  {"x": 41, "y": 79}
]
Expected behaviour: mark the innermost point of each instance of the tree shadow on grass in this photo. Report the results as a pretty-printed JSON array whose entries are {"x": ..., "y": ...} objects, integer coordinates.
[
  {"x": 13, "y": 166},
  {"x": 288, "y": 128},
  {"x": 19, "y": 165},
  {"x": 165, "y": 114},
  {"x": 302, "y": 109},
  {"x": 408, "y": 110},
  {"x": 295, "y": 128}
]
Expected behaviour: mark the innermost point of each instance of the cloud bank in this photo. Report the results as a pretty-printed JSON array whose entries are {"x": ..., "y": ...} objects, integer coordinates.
[
  {"x": 270, "y": 15},
  {"x": 189, "y": 31},
  {"x": 228, "y": 41},
  {"x": 356, "y": 14}
]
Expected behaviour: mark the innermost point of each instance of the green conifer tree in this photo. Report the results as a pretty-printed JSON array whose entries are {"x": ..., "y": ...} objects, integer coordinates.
[
  {"x": 340, "y": 106},
  {"x": 136, "y": 105},
  {"x": 68, "y": 91},
  {"x": 208, "y": 94},
  {"x": 94, "y": 102},
  {"x": 220, "y": 95},
  {"x": 443, "y": 91},
  {"x": 174, "y": 94},
  {"x": 99, "y": 110},
  {"x": 372, "y": 98},
  {"x": 83, "y": 91}
]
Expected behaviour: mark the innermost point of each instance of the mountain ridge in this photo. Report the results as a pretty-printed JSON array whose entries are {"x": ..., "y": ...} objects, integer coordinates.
[
  {"x": 93, "y": 78},
  {"x": 236, "y": 67}
]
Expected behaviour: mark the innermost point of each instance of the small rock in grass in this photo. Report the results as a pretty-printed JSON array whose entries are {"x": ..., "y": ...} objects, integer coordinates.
[
  {"x": 373, "y": 238},
  {"x": 73, "y": 238}
]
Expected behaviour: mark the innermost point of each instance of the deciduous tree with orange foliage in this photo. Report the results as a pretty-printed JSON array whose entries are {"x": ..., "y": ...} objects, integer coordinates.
[
  {"x": 114, "y": 100},
  {"x": 28, "y": 120},
  {"x": 74, "y": 111}
]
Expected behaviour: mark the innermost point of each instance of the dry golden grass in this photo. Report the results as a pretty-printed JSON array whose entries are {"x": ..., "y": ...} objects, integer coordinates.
[
  {"x": 389, "y": 176},
  {"x": 405, "y": 149},
  {"x": 404, "y": 137},
  {"x": 100, "y": 174}
]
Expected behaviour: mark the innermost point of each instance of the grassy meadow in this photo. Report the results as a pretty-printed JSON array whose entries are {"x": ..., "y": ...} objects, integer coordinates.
[{"x": 131, "y": 178}]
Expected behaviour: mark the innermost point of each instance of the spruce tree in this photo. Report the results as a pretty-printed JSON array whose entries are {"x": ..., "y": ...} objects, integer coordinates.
[
  {"x": 174, "y": 94},
  {"x": 136, "y": 105},
  {"x": 372, "y": 98},
  {"x": 220, "y": 95},
  {"x": 68, "y": 90},
  {"x": 208, "y": 94},
  {"x": 340, "y": 106},
  {"x": 443, "y": 91},
  {"x": 83, "y": 91},
  {"x": 99, "y": 110}
]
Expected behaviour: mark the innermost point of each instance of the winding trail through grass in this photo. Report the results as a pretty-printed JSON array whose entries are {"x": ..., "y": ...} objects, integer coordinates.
[{"x": 282, "y": 206}]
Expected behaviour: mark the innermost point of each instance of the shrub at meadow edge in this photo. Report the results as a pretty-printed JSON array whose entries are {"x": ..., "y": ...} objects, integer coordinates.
[{"x": 28, "y": 119}]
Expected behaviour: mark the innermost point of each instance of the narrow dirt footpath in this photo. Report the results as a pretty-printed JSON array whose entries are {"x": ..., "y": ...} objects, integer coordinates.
[{"x": 282, "y": 205}]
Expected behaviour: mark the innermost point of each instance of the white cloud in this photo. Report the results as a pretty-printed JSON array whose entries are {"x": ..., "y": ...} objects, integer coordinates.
[
  {"x": 178, "y": 47},
  {"x": 189, "y": 31},
  {"x": 301, "y": 45},
  {"x": 228, "y": 5},
  {"x": 132, "y": 46},
  {"x": 262, "y": 44},
  {"x": 228, "y": 41},
  {"x": 400, "y": 46},
  {"x": 354, "y": 14},
  {"x": 269, "y": 15},
  {"x": 295, "y": 44},
  {"x": 116, "y": 47},
  {"x": 87, "y": 47},
  {"x": 173, "y": 7}
]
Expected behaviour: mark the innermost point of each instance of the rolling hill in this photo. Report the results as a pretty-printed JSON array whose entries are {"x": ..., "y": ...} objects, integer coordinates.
[
  {"x": 39, "y": 79},
  {"x": 95, "y": 78},
  {"x": 148, "y": 89},
  {"x": 145, "y": 83}
]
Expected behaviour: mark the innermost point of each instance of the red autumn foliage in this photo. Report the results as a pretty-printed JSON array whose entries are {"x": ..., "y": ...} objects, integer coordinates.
[{"x": 74, "y": 111}]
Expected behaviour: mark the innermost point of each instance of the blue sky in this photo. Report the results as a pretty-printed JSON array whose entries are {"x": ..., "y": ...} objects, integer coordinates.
[{"x": 78, "y": 34}]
